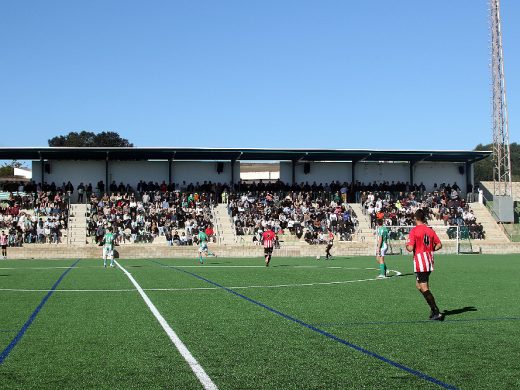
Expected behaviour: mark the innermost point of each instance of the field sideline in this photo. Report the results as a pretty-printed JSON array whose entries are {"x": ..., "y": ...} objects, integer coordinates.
[{"x": 300, "y": 323}]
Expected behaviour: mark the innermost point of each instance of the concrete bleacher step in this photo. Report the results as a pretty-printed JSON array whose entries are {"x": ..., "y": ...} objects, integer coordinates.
[
  {"x": 493, "y": 230},
  {"x": 364, "y": 233},
  {"x": 77, "y": 224},
  {"x": 224, "y": 225},
  {"x": 494, "y": 233}
]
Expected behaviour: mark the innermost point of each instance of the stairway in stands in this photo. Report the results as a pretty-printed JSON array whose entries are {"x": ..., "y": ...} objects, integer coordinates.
[
  {"x": 224, "y": 225},
  {"x": 364, "y": 233},
  {"x": 493, "y": 230},
  {"x": 77, "y": 225}
]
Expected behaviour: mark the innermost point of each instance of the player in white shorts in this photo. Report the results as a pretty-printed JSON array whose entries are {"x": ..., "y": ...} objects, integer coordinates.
[
  {"x": 382, "y": 247},
  {"x": 108, "y": 247}
]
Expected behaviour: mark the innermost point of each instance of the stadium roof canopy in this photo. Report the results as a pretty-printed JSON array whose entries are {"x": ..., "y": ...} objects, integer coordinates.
[{"x": 216, "y": 154}]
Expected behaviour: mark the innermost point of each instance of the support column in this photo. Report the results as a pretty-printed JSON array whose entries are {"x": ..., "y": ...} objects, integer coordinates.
[
  {"x": 107, "y": 186},
  {"x": 353, "y": 167},
  {"x": 170, "y": 171},
  {"x": 42, "y": 162},
  {"x": 470, "y": 180},
  {"x": 233, "y": 174},
  {"x": 293, "y": 167},
  {"x": 412, "y": 164}
]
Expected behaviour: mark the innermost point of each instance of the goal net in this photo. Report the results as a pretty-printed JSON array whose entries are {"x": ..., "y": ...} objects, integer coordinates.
[{"x": 455, "y": 239}]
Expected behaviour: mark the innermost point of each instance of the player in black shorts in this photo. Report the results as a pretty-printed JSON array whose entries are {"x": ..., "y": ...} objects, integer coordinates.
[
  {"x": 268, "y": 238},
  {"x": 330, "y": 243}
]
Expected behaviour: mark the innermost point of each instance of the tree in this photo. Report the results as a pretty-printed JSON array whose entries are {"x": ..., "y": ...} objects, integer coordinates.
[
  {"x": 484, "y": 168},
  {"x": 7, "y": 169},
  {"x": 86, "y": 139}
]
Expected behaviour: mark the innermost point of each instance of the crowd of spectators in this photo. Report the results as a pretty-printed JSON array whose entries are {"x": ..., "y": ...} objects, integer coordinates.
[
  {"x": 136, "y": 218},
  {"x": 38, "y": 213},
  {"x": 300, "y": 213},
  {"x": 31, "y": 214},
  {"x": 443, "y": 204}
]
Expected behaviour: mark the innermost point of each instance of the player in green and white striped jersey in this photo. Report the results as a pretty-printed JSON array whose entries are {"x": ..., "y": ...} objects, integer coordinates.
[
  {"x": 108, "y": 247},
  {"x": 382, "y": 246}
]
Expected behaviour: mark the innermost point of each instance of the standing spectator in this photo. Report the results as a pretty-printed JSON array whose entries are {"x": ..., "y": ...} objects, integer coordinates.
[{"x": 81, "y": 190}]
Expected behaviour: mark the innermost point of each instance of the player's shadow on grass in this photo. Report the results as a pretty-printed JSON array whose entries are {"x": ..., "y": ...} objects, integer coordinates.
[
  {"x": 459, "y": 311},
  {"x": 407, "y": 274}
]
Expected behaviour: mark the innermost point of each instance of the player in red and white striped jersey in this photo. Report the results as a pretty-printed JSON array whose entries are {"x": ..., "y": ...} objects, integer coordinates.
[
  {"x": 268, "y": 238},
  {"x": 423, "y": 241}
]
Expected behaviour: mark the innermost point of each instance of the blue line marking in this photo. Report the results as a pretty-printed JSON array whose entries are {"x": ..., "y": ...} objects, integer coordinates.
[
  {"x": 400, "y": 366},
  {"x": 21, "y": 332},
  {"x": 353, "y": 324}
]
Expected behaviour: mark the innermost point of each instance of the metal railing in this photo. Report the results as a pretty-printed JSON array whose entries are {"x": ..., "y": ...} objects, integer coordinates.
[
  {"x": 218, "y": 229},
  {"x": 68, "y": 220}
]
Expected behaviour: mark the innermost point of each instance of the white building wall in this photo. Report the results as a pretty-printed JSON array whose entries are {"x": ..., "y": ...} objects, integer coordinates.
[
  {"x": 286, "y": 171},
  {"x": 430, "y": 173},
  {"x": 256, "y": 176},
  {"x": 366, "y": 172},
  {"x": 131, "y": 172},
  {"x": 75, "y": 171},
  {"x": 369, "y": 171},
  {"x": 200, "y": 171},
  {"x": 321, "y": 172},
  {"x": 23, "y": 173}
]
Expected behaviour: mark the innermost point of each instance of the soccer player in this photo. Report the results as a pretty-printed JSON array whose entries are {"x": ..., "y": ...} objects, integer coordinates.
[
  {"x": 382, "y": 247},
  {"x": 330, "y": 242},
  {"x": 423, "y": 241},
  {"x": 3, "y": 243},
  {"x": 108, "y": 247},
  {"x": 203, "y": 246},
  {"x": 268, "y": 238}
]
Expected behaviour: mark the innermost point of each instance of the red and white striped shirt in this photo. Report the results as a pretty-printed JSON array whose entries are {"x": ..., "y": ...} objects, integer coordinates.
[
  {"x": 423, "y": 239},
  {"x": 268, "y": 238}
]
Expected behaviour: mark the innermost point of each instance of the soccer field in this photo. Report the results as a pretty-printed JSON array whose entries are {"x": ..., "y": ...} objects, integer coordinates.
[{"x": 299, "y": 324}]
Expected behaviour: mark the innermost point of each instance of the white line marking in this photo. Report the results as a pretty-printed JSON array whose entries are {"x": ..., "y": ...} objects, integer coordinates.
[
  {"x": 191, "y": 266},
  {"x": 397, "y": 273},
  {"x": 188, "y": 266},
  {"x": 56, "y": 267},
  {"x": 261, "y": 266},
  {"x": 197, "y": 369},
  {"x": 66, "y": 290}
]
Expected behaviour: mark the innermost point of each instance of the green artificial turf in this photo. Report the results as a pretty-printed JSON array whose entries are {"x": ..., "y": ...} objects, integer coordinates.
[{"x": 111, "y": 340}]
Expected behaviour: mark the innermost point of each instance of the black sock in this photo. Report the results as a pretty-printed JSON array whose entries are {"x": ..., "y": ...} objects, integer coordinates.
[{"x": 431, "y": 301}]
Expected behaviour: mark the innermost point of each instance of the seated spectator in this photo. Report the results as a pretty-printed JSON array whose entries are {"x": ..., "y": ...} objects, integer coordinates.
[
  {"x": 152, "y": 214},
  {"x": 292, "y": 212}
]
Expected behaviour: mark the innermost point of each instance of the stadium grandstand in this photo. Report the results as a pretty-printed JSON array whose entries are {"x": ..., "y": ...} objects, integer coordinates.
[
  {"x": 156, "y": 199},
  {"x": 132, "y": 267}
]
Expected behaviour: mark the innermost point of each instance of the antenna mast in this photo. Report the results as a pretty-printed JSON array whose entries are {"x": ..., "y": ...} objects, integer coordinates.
[{"x": 501, "y": 150}]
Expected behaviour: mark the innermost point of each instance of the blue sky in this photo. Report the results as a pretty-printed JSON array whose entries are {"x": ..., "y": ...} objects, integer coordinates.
[{"x": 402, "y": 74}]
